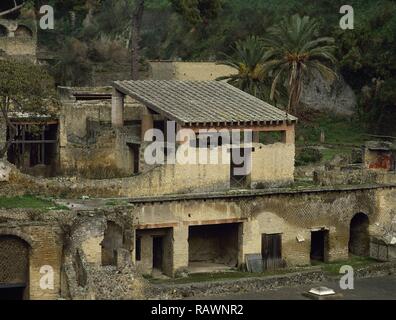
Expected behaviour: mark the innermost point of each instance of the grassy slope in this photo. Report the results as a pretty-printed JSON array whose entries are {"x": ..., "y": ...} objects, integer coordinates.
[
  {"x": 27, "y": 202},
  {"x": 342, "y": 134}
]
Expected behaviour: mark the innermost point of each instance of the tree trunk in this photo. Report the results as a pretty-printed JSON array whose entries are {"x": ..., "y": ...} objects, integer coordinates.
[
  {"x": 295, "y": 93},
  {"x": 137, "y": 16}
]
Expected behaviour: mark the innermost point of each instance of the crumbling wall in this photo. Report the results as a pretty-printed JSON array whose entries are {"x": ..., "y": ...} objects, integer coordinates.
[
  {"x": 21, "y": 39},
  {"x": 88, "y": 144},
  {"x": 112, "y": 241},
  {"x": 352, "y": 176},
  {"x": 346, "y": 176},
  {"x": 87, "y": 242}
]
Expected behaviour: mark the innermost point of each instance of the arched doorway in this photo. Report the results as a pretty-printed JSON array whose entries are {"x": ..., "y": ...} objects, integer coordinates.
[
  {"x": 359, "y": 239},
  {"x": 14, "y": 268}
]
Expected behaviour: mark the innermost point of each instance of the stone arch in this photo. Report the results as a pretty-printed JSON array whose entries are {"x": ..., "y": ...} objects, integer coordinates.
[
  {"x": 18, "y": 234},
  {"x": 3, "y": 31},
  {"x": 14, "y": 267},
  {"x": 359, "y": 238},
  {"x": 23, "y": 32}
]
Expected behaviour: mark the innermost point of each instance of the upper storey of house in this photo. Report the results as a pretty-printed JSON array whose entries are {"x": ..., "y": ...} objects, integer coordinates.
[{"x": 200, "y": 104}]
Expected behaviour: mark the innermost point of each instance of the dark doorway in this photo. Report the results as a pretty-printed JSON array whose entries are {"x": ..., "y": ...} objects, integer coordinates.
[
  {"x": 359, "y": 239},
  {"x": 214, "y": 244},
  {"x": 135, "y": 153},
  {"x": 319, "y": 245},
  {"x": 271, "y": 251},
  {"x": 158, "y": 250}
]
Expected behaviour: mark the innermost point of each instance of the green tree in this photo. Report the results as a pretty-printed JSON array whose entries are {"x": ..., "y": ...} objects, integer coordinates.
[
  {"x": 296, "y": 50},
  {"x": 248, "y": 60},
  {"x": 24, "y": 87},
  {"x": 197, "y": 11}
]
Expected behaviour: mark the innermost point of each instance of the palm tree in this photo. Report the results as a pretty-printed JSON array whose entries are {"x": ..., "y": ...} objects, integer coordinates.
[
  {"x": 295, "y": 51},
  {"x": 248, "y": 60}
]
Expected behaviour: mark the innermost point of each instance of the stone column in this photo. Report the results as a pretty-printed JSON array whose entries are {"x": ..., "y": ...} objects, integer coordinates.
[
  {"x": 117, "y": 109},
  {"x": 180, "y": 247},
  {"x": 249, "y": 240},
  {"x": 147, "y": 121}
]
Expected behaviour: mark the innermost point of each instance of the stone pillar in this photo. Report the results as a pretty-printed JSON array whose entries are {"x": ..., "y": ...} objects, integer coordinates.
[
  {"x": 288, "y": 136},
  {"x": 338, "y": 244},
  {"x": 145, "y": 265},
  {"x": 117, "y": 109},
  {"x": 180, "y": 248},
  {"x": 249, "y": 240},
  {"x": 147, "y": 121}
]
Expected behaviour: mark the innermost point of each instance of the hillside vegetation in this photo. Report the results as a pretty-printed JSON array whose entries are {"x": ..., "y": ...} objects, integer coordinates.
[{"x": 97, "y": 32}]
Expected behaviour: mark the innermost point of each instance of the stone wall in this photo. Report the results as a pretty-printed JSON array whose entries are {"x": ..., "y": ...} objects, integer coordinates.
[
  {"x": 273, "y": 165},
  {"x": 352, "y": 176},
  {"x": 267, "y": 170},
  {"x": 294, "y": 216},
  {"x": 44, "y": 239},
  {"x": 178, "y": 70},
  {"x": 72, "y": 242},
  {"x": 69, "y": 245},
  {"x": 21, "y": 40}
]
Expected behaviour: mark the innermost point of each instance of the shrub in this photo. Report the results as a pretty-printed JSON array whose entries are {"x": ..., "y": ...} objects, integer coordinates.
[{"x": 307, "y": 156}]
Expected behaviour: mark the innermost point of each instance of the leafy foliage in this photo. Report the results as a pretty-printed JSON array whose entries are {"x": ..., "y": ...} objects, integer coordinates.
[
  {"x": 201, "y": 30},
  {"x": 248, "y": 61},
  {"x": 197, "y": 11},
  {"x": 296, "y": 50},
  {"x": 24, "y": 87}
]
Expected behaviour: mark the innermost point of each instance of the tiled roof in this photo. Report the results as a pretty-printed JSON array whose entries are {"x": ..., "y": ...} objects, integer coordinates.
[{"x": 188, "y": 102}]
